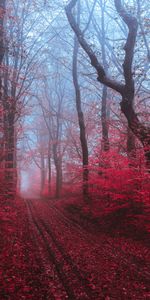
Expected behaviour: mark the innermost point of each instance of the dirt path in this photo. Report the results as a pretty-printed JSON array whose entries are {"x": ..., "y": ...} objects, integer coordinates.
[{"x": 79, "y": 265}]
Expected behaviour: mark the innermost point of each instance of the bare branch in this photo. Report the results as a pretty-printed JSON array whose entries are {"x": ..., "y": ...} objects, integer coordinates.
[
  {"x": 132, "y": 24},
  {"x": 102, "y": 76}
]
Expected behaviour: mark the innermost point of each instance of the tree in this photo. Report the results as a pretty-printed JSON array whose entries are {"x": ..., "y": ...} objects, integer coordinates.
[
  {"x": 2, "y": 15},
  {"x": 126, "y": 89},
  {"x": 18, "y": 73},
  {"x": 81, "y": 121},
  {"x": 51, "y": 101},
  {"x": 2, "y": 53}
]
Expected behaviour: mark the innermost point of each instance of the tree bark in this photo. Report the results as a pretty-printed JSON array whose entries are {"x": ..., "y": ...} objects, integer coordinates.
[
  {"x": 58, "y": 167},
  {"x": 58, "y": 180},
  {"x": 49, "y": 174},
  {"x": 131, "y": 148},
  {"x": 10, "y": 167},
  {"x": 42, "y": 173},
  {"x": 2, "y": 15},
  {"x": 2, "y": 52},
  {"x": 105, "y": 137},
  {"x": 83, "y": 139}
]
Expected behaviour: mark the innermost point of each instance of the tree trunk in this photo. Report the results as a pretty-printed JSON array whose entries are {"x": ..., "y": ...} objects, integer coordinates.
[
  {"x": 49, "y": 174},
  {"x": 10, "y": 166},
  {"x": 42, "y": 174},
  {"x": 138, "y": 129},
  {"x": 2, "y": 52},
  {"x": 58, "y": 167},
  {"x": 2, "y": 44},
  {"x": 105, "y": 138},
  {"x": 131, "y": 148},
  {"x": 83, "y": 139},
  {"x": 49, "y": 166},
  {"x": 58, "y": 180}
]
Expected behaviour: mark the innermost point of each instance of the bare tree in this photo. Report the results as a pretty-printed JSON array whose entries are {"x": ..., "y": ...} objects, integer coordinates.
[
  {"x": 126, "y": 89},
  {"x": 2, "y": 52},
  {"x": 2, "y": 15},
  {"x": 81, "y": 122},
  {"x": 51, "y": 102}
]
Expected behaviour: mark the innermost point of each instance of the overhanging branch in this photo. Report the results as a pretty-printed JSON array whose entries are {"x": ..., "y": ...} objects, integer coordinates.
[
  {"x": 132, "y": 25},
  {"x": 102, "y": 76}
]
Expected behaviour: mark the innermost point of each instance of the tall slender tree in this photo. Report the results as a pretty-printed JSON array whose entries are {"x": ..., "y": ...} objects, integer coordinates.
[{"x": 81, "y": 121}]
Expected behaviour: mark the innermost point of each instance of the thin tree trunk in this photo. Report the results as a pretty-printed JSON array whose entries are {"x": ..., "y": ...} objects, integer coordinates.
[
  {"x": 58, "y": 180},
  {"x": 2, "y": 52},
  {"x": 2, "y": 44},
  {"x": 10, "y": 173},
  {"x": 58, "y": 167},
  {"x": 49, "y": 174},
  {"x": 83, "y": 139},
  {"x": 105, "y": 138},
  {"x": 42, "y": 174},
  {"x": 49, "y": 166}
]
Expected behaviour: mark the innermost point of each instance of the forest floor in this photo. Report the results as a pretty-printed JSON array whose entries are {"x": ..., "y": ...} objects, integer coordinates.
[{"x": 64, "y": 250}]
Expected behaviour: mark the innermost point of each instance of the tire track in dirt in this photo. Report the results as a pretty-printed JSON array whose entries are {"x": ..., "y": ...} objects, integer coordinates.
[
  {"x": 133, "y": 258},
  {"x": 137, "y": 262},
  {"x": 75, "y": 284}
]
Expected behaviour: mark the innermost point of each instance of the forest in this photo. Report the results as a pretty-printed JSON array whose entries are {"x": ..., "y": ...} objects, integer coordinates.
[{"x": 75, "y": 149}]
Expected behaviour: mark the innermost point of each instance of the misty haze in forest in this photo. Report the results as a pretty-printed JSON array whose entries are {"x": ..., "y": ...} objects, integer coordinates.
[{"x": 74, "y": 149}]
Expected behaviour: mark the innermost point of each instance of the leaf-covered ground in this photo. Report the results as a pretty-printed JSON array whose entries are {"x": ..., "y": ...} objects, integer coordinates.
[{"x": 64, "y": 251}]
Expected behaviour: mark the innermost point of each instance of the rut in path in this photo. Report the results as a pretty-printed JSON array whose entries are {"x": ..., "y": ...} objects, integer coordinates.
[
  {"x": 85, "y": 266},
  {"x": 74, "y": 282}
]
